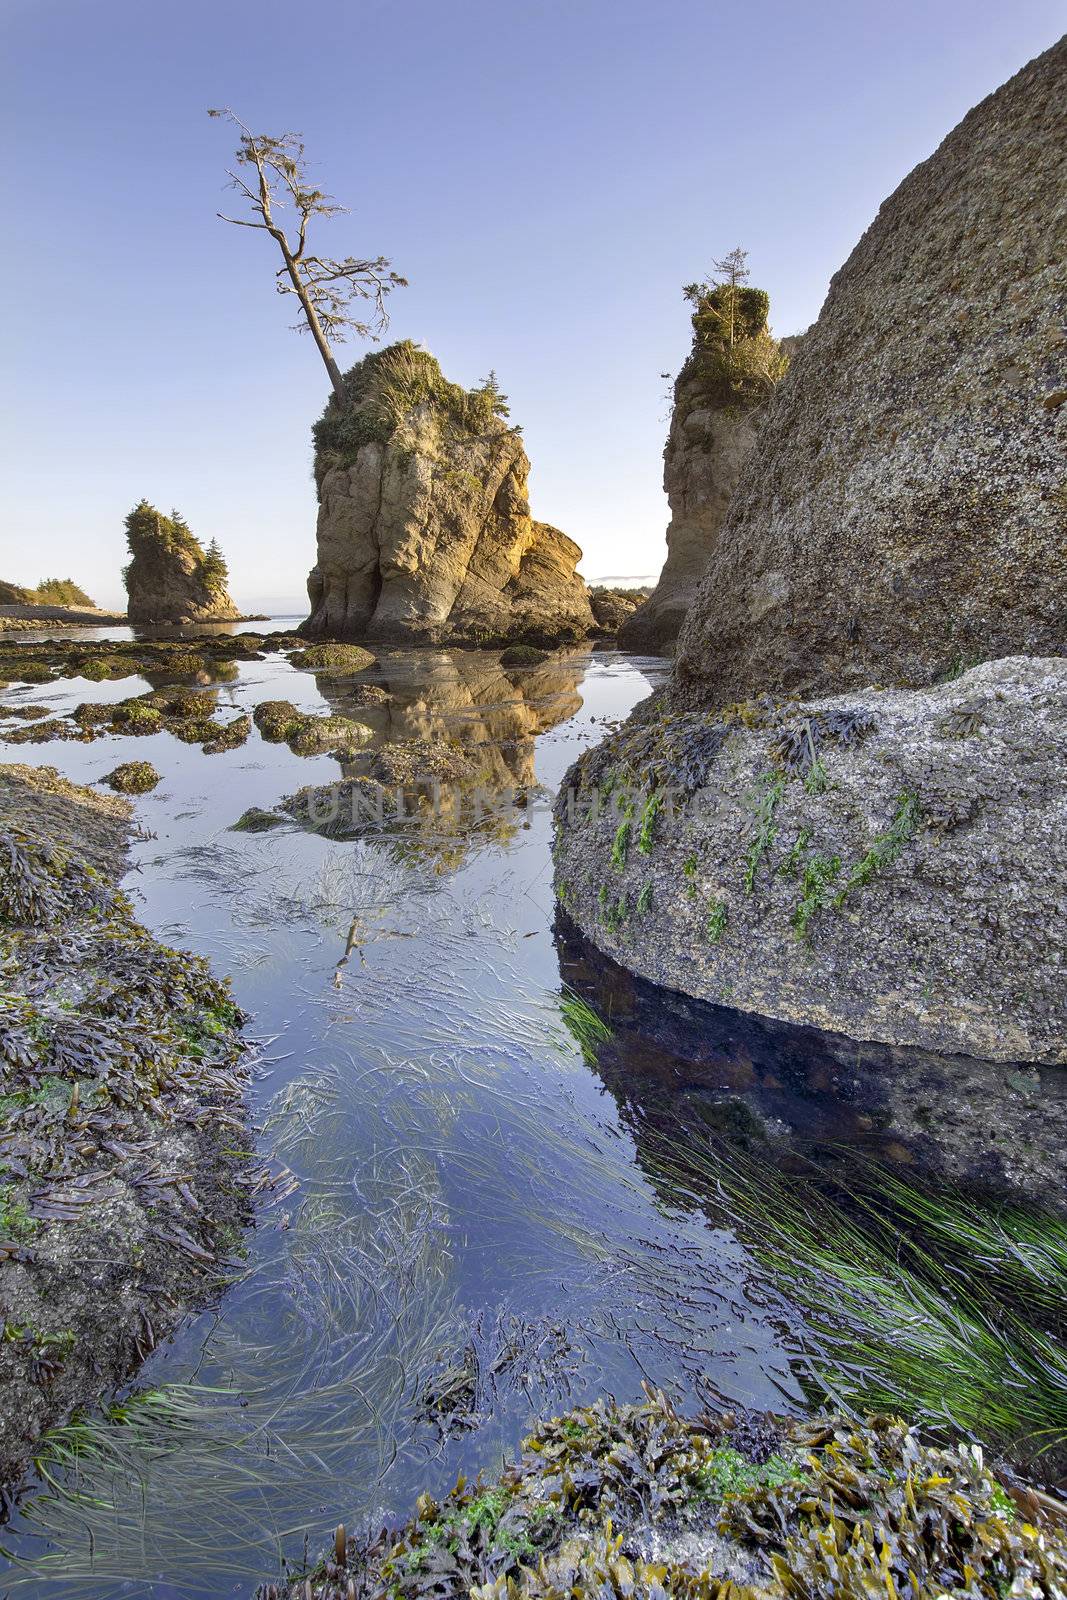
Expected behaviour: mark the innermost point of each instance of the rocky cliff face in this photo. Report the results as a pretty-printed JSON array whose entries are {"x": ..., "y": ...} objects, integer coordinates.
[
  {"x": 424, "y": 530},
  {"x": 888, "y": 863},
  {"x": 713, "y": 429},
  {"x": 909, "y": 513},
  {"x": 171, "y": 577}
]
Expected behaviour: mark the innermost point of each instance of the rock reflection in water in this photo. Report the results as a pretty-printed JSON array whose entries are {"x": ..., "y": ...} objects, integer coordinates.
[
  {"x": 991, "y": 1126},
  {"x": 452, "y": 753},
  {"x": 908, "y": 1206}
]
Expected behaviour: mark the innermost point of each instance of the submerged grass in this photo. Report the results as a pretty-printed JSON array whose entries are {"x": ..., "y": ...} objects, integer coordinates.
[{"x": 938, "y": 1304}]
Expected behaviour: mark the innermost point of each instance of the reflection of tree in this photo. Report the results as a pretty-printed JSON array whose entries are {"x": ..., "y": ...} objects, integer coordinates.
[
  {"x": 452, "y": 757},
  {"x": 785, "y": 1091}
]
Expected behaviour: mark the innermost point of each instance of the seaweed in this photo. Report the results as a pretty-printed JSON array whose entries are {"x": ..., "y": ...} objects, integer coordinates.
[
  {"x": 773, "y": 787},
  {"x": 886, "y": 847},
  {"x": 625, "y": 1502},
  {"x": 819, "y": 874}
]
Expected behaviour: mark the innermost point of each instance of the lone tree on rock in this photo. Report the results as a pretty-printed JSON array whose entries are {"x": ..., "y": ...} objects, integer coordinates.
[
  {"x": 730, "y": 325},
  {"x": 329, "y": 290}
]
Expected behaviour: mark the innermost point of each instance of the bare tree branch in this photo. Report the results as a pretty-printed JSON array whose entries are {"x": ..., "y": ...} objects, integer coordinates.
[{"x": 327, "y": 289}]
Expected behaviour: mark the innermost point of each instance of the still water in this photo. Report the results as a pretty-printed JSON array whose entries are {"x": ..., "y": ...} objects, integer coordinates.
[{"x": 485, "y": 1206}]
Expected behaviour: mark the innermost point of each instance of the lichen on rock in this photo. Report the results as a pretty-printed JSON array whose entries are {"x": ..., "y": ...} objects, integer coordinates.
[{"x": 424, "y": 528}]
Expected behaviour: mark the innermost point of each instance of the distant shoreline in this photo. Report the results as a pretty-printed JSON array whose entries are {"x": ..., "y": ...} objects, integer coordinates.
[{"x": 14, "y": 618}]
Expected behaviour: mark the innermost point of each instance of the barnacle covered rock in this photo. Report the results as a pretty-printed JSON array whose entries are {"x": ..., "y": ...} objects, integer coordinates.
[
  {"x": 888, "y": 865},
  {"x": 121, "y": 1126}
]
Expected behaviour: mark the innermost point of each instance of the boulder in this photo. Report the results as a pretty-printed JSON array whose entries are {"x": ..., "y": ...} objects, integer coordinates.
[
  {"x": 424, "y": 530},
  {"x": 719, "y": 406},
  {"x": 612, "y": 607},
  {"x": 171, "y": 577},
  {"x": 908, "y": 511},
  {"x": 889, "y": 864}
]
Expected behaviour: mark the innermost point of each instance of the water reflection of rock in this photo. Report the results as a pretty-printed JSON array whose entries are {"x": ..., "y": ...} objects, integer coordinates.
[
  {"x": 465, "y": 699},
  {"x": 768, "y": 1085},
  {"x": 452, "y": 752}
]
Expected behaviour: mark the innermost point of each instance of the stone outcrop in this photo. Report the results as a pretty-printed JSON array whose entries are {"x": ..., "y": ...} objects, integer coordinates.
[
  {"x": 613, "y": 607},
  {"x": 424, "y": 530},
  {"x": 171, "y": 577},
  {"x": 909, "y": 511},
  {"x": 714, "y": 422},
  {"x": 890, "y": 865},
  {"x": 887, "y": 863}
]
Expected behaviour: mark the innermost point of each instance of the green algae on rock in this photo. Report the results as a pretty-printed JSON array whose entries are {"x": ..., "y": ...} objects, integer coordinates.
[
  {"x": 644, "y": 1503},
  {"x": 336, "y": 658},
  {"x": 864, "y": 867},
  {"x": 121, "y": 1123},
  {"x": 132, "y": 777}
]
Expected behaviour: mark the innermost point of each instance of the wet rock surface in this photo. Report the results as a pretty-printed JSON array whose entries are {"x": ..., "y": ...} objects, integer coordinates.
[
  {"x": 888, "y": 866},
  {"x": 121, "y": 1124}
]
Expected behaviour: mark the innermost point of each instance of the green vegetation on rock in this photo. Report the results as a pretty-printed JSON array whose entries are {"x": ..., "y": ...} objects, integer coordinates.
[
  {"x": 384, "y": 388},
  {"x": 132, "y": 777},
  {"x": 341, "y": 658}
]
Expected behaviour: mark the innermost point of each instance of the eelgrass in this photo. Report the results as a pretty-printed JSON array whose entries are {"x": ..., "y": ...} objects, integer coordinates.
[
  {"x": 588, "y": 1028},
  {"x": 936, "y": 1304}
]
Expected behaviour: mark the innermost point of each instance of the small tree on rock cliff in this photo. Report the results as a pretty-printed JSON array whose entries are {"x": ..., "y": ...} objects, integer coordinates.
[
  {"x": 329, "y": 290},
  {"x": 732, "y": 336}
]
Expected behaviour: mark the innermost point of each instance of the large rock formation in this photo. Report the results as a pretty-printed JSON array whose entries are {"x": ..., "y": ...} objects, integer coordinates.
[
  {"x": 714, "y": 422},
  {"x": 890, "y": 865},
  {"x": 886, "y": 863},
  {"x": 424, "y": 530},
  {"x": 171, "y": 577},
  {"x": 909, "y": 512}
]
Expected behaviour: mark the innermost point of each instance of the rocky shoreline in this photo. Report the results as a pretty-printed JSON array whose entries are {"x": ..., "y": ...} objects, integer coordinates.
[{"x": 123, "y": 1139}]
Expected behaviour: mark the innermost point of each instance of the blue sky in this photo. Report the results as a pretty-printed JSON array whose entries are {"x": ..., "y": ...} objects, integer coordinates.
[{"x": 547, "y": 173}]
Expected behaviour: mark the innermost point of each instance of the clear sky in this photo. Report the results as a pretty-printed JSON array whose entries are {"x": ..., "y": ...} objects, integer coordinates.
[{"x": 547, "y": 173}]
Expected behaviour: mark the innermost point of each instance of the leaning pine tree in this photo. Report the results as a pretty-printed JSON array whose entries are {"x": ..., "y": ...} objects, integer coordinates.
[{"x": 271, "y": 175}]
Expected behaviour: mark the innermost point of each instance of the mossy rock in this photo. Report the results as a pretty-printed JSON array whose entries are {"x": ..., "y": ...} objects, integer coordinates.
[
  {"x": 322, "y": 735},
  {"x": 277, "y": 719},
  {"x": 182, "y": 664},
  {"x": 14, "y": 669},
  {"x": 523, "y": 655},
  {"x": 133, "y": 777},
  {"x": 134, "y": 717},
  {"x": 229, "y": 736},
  {"x": 256, "y": 820},
  {"x": 99, "y": 669},
  {"x": 334, "y": 658}
]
